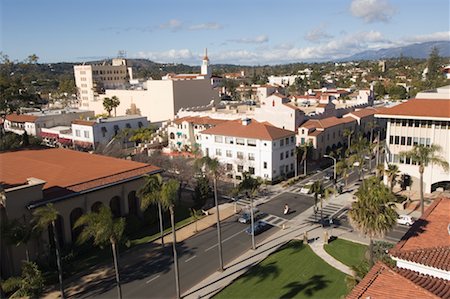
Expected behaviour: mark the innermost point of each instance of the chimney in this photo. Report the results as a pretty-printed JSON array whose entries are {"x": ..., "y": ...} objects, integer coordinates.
[{"x": 246, "y": 121}]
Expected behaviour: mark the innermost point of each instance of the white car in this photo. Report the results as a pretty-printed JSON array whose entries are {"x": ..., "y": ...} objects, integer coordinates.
[
  {"x": 306, "y": 189},
  {"x": 405, "y": 220}
]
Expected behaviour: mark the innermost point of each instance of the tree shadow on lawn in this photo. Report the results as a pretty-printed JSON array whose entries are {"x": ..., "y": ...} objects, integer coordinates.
[
  {"x": 262, "y": 272},
  {"x": 134, "y": 265},
  {"x": 314, "y": 284}
]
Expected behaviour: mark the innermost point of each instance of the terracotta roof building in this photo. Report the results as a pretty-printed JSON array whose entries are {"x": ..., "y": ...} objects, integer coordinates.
[
  {"x": 75, "y": 182},
  {"x": 422, "y": 261},
  {"x": 247, "y": 145}
]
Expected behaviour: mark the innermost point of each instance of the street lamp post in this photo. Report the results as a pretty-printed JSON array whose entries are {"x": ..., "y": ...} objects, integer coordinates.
[{"x": 334, "y": 160}]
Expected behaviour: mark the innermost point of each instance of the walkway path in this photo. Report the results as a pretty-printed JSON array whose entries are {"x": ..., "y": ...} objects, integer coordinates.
[{"x": 317, "y": 247}]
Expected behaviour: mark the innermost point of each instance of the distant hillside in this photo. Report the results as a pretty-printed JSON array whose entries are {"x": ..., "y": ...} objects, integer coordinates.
[{"x": 419, "y": 50}]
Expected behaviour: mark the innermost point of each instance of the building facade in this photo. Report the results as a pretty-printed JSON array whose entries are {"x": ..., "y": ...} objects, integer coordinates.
[
  {"x": 75, "y": 182},
  {"x": 33, "y": 122},
  {"x": 424, "y": 120},
  {"x": 249, "y": 146}
]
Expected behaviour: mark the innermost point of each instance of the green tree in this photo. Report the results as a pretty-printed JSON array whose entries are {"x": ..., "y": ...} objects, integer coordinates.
[
  {"x": 44, "y": 217},
  {"x": 202, "y": 191},
  {"x": 343, "y": 169},
  {"x": 373, "y": 213},
  {"x": 424, "y": 155},
  {"x": 17, "y": 233},
  {"x": 111, "y": 104},
  {"x": 32, "y": 59},
  {"x": 392, "y": 173},
  {"x": 103, "y": 228},
  {"x": 434, "y": 65},
  {"x": 149, "y": 194},
  {"x": 397, "y": 92},
  {"x": 379, "y": 90},
  {"x": 29, "y": 284},
  {"x": 320, "y": 194},
  {"x": 213, "y": 170},
  {"x": 302, "y": 151}
]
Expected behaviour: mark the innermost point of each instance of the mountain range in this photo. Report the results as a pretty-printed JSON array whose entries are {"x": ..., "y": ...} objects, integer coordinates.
[{"x": 418, "y": 50}]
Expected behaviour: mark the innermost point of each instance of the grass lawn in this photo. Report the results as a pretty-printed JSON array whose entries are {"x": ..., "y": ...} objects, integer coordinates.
[
  {"x": 294, "y": 271},
  {"x": 348, "y": 253}
]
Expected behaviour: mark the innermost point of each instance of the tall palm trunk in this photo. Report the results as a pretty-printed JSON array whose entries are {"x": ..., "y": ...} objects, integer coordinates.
[
  {"x": 304, "y": 167},
  {"x": 116, "y": 267},
  {"x": 370, "y": 252},
  {"x": 422, "y": 201},
  {"x": 175, "y": 256},
  {"x": 321, "y": 212},
  {"x": 219, "y": 236},
  {"x": 161, "y": 224},
  {"x": 58, "y": 260}
]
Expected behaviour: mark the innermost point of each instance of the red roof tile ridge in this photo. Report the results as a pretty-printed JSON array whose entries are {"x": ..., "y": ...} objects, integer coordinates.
[
  {"x": 373, "y": 274},
  {"x": 424, "y": 278}
]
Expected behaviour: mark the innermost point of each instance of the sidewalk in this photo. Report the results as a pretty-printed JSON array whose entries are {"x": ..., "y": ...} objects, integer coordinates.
[{"x": 317, "y": 247}]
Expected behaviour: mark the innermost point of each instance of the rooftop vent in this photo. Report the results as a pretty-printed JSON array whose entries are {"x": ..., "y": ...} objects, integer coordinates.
[{"x": 246, "y": 121}]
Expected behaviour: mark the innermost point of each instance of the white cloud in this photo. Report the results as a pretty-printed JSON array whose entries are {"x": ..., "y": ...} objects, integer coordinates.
[
  {"x": 436, "y": 36},
  {"x": 251, "y": 40},
  {"x": 206, "y": 26},
  {"x": 317, "y": 34},
  {"x": 172, "y": 24},
  {"x": 171, "y": 55},
  {"x": 372, "y": 10}
]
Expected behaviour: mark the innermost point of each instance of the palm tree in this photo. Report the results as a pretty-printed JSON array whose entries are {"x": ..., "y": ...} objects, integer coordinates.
[
  {"x": 303, "y": 150},
  {"x": 371, "y": 125},
  {"x": 107, "y": 104},
  {"x": 320, "y": 193},
  {"x": 343, "y": 169},
  {"x": 348, "y": 133},
  {"x": 29, "y": 285},
  {"x": 392, "y": 174},
  {"x": 380, "y": 170},
  {"x": 424, "y": 155},
  {"x": 250, "y": 185},
  {"x": 212, "y": 167},
  {"x": 169, "y": 192},
  {"x": 18, "y": 233},
  {"x": 373, "y": 214},
  {"x": 115, "y": 102},
  {"x": 43, "y": 217},
  {"x": 149, "y": 193},
  {"x": 103, "y": 228}
]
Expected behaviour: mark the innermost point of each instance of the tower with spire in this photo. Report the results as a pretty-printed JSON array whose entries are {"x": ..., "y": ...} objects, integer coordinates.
[{"x": 206, "y": 68}]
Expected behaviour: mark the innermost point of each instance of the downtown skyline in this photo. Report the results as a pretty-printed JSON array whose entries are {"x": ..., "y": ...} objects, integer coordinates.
[{"x": 237, "y": 32}]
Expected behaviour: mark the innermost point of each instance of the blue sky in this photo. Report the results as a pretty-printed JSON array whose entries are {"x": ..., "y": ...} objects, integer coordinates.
[{"x": 234, "y": 31}]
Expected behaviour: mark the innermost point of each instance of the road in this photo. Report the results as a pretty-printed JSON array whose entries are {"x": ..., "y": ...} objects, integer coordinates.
[{"x": 147, "y": 272}]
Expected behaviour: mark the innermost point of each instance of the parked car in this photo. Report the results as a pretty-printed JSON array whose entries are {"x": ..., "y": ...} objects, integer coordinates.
[
  {"x": 259, "y": 227},
  {"x": 405, "y": 220},
  {"x": 306, "y": 189},
  {"x": 246, "y": 217},
  {"x": 328, "y": 176}
]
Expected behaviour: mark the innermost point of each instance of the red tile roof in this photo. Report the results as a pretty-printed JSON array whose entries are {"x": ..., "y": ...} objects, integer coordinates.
[
  {"x": 255, "y": 129},
  {"x": 365, "y": 112},
  {"x": 384, "y": 282},
  {"x": 200, "y": 120},
  {"x": 327, "y": 122},
  {"x": 437, "y": 257},
  {"x": 420, "y": 108},
  {"x": 430, "y": 231},
  {"x": 67, "y": 171},
  {"x": 438, "y": 286},
  {"x": 83, "y": 122},
  {"x": 21, "y": 118}
]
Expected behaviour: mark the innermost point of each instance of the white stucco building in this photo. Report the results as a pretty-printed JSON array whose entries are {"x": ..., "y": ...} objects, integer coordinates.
[
  {"x": 158, "y": 100},
  {"x": 33, "y": 122},
  {"x": 250, "y": 146},
  {"x": 277, "y": 110},
  {"x": 424, "y": 120}
]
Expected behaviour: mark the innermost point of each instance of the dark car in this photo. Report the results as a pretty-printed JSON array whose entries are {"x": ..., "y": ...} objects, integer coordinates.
[
  {"x": 259, "y": 227},
  {"x": 246, "y": 217}
]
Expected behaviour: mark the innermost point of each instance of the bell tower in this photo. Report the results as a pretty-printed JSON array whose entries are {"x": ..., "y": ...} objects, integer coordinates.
[{"x": 206, "y": 69}]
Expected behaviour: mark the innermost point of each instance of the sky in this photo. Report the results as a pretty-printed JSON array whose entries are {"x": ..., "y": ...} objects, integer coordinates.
[{"x": 247, "y": 32}]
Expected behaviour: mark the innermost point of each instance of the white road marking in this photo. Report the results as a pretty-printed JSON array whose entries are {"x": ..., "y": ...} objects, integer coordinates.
[
  {"x": 151, "y": 279},
  {"x": 190, "y": 259},
  {"x": 230, "y": 237}
]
